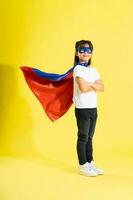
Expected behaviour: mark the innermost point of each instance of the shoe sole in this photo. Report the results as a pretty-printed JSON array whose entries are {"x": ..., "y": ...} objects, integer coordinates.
[
  {"x": 100, "y": 174},
  {"x": 82, "y": 173}
]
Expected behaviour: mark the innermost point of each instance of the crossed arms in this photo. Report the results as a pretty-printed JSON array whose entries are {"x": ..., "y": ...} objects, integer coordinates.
[{"x": 86, "y": 86}]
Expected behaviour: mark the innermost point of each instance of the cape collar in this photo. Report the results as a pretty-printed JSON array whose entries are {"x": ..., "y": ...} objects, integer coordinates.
[{"x": 85, "y": 64}]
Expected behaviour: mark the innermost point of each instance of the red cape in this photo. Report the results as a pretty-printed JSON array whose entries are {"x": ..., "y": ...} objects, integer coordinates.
[{"x": 54, "y": 91}]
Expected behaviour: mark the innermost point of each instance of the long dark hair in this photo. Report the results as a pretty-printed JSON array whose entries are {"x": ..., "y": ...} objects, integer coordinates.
[{"x": 81, "y": 43}]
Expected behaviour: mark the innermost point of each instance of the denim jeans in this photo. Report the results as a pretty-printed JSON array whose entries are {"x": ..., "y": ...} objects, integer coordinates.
[{"x": 86, "y": 122}]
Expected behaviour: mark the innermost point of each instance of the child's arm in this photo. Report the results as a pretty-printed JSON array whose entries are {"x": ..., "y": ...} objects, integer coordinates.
[
  {"x": 98, "y": 85},
  {"x": 85, "y": 86}
]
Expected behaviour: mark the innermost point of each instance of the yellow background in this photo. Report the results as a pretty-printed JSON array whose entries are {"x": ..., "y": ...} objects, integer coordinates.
[{"x": 38, "y": 158}]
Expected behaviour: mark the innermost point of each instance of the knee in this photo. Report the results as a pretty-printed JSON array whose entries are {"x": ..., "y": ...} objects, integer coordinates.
[{"x": 83, "y": 138}]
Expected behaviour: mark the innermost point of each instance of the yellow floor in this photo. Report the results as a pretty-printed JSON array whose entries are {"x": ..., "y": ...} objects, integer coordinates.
[{"x": 44, "y": 178}]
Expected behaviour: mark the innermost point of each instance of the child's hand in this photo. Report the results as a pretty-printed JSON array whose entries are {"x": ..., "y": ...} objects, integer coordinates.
[{"x": 91, "y": 84}]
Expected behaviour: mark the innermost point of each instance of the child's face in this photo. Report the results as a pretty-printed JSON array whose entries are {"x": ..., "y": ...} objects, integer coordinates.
[{"x": 85, "y": 56}]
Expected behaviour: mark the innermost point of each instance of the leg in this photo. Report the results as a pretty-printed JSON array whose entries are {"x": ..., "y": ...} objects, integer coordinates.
[
  {"x": 83, "y": 124},
  {"x": 89, "y": 145}
]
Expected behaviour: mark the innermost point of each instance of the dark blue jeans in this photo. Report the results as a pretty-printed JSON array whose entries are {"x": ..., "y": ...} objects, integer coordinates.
[{"x": 86, "y": 122}]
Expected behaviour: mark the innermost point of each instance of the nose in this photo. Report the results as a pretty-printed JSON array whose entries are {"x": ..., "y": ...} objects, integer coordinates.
[{"x": 85, "y": 53}]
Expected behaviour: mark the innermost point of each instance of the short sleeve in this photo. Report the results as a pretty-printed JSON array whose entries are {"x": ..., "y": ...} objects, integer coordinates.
[
  {"x": 78, "y": 71},
  {"x": 97, "y": 75}
]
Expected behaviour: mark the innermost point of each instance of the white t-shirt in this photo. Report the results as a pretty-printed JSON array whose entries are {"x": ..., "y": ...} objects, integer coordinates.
[{"x": 86, "y": 99}]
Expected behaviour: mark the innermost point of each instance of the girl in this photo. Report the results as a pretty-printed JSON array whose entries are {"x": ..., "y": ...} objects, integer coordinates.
[{"x": 87, "y": 83}]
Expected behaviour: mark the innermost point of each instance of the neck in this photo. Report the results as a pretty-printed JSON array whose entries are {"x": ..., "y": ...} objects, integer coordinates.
[
  {"x": 83, "y": 61},
  {"x": 85, "y": 64}
]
